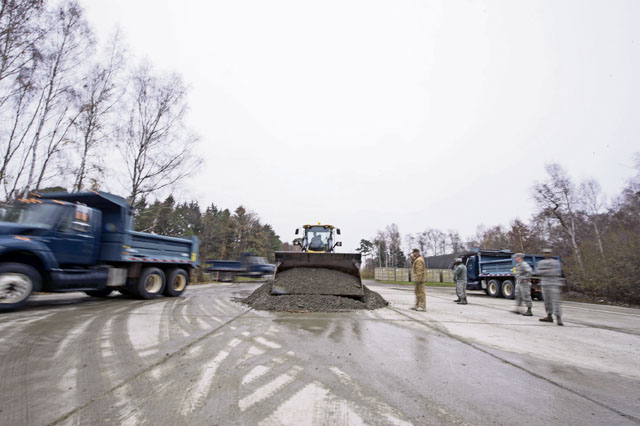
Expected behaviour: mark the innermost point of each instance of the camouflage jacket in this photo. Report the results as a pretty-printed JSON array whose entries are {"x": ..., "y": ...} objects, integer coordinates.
[
  {"x": 460, "y": 273},
  {"x": 523, "y": 272},
  {"x": 550, "y": 272}
]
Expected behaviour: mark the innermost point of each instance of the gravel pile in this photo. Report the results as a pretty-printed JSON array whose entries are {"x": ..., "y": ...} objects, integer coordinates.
[
  {"x": 316, "y": 281},
  {"x": 263, "y": 298}
]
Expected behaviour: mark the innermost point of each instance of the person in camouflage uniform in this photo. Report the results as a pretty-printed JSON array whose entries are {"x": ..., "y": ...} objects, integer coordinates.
[
  {"x": 523, "y": 285},
  {"x": 419, "y": 277},
  {"x": 460, "y": 278},
  {"x": 550, "y": 272}
]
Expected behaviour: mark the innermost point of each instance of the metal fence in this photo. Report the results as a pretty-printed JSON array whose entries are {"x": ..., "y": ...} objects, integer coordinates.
[{"x": 404, "y": 274}]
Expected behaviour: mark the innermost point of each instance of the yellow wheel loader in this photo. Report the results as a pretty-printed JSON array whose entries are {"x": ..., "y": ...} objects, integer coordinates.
[{"x": 318, "y": 269}]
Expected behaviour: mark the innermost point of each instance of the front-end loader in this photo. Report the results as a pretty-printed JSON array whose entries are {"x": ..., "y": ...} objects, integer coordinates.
[{"x": 318, "y": 269}]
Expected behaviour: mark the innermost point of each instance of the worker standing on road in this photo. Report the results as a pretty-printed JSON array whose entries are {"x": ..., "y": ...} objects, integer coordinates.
[
  {"x": 460, "y": 278},
  {"x": 523, "y": 284},
  {"x": 419, "y": 277},
  {"x": 550, "y": 272}
]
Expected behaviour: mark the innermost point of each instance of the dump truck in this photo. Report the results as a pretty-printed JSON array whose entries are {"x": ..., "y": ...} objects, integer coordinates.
[
  {"x": 318, "y": 269},
  {"x": 494, "y": 272},
  {"x": 63, "y": 242},
  {"x": 250, "y": 265}
]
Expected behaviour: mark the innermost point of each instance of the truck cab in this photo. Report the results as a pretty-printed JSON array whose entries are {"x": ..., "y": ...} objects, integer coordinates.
[{"x": 71, "y": 232}]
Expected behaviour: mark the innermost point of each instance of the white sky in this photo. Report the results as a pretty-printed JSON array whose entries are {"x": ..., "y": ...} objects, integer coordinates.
[{"x": 361, "y": 113}]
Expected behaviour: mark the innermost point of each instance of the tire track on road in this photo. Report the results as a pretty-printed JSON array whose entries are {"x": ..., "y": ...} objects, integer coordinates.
[{"x": 145, "y": 370}]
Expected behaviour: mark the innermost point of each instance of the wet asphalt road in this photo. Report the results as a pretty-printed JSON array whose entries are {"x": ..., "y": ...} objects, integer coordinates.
[{"x": 204, "y": 360}]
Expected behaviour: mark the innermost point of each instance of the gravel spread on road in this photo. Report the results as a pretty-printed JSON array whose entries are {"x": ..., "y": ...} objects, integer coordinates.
[{"x": 263, "y": 299}]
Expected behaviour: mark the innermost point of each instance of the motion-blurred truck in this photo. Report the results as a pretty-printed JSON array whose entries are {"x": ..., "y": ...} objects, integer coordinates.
[
  {"x": 62, "y": 242},
  {"x": 249, "y": 266},
  {"x": 494, "y": 272}
]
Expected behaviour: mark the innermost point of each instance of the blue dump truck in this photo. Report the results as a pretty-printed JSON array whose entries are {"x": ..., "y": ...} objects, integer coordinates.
[
  {"x": 61, "y": 242},
  {"x": 250, "y": 266},
  {"x": 494, "y": 272}
]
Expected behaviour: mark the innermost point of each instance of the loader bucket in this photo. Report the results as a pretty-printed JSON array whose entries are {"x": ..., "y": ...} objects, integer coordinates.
[{"x": 336, "y": 274}]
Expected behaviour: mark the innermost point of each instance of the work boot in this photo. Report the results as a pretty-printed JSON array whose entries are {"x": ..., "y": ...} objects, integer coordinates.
[
  {"x": 548, "y": 318},
  {"x": 528, "y": 313},
  {"x": 457, "y": 300},
  {"x": 559, "y": 320},
  {"x": 463, "y": 301}
]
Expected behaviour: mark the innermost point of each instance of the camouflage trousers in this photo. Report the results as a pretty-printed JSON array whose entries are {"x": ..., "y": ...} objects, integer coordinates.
[
  {"x": 461, "y": 289},
  {"x": 421, "y": 296},
  {"x": 523, "y": 293},
  {"x": 552, "y": 295}
]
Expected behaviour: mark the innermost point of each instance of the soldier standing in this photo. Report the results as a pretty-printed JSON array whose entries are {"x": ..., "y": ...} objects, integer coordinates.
[
  {"x": 523, "y": 285},
  {"x": 419, "y": 277},
  {"x": 550, "y": 272},
  {"x": 460, "y": 278}
]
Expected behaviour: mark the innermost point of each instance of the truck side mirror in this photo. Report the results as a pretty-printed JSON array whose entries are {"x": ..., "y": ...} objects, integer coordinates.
[
  {"x": 339, "y": 243},
  {"x": 297, "y": 231},
  {"x": 338, "y": 231},
  {"x": 296, "y": 242}
]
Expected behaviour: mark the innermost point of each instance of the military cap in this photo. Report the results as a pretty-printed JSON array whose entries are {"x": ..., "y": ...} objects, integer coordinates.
[
  {"x": 519, "y": 255},
  {"x": 547, "y": 250}
]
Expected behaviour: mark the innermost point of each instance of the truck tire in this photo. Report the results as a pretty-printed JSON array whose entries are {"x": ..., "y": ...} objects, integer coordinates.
[
  {"x": 150, "y": 284},
  {"x": 99, "y": 293},
  {"x": 17, "y": 282},
  {"x": 176, "y": 282},
  {"x": 494, "y": 289},
  {"x": 508, "y": 290}
]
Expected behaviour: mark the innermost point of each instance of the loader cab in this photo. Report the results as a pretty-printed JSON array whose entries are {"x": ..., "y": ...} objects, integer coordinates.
[{"x": 318, "y": 238}]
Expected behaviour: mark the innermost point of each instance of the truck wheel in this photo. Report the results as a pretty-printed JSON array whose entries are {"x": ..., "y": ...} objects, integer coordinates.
[
  {"x": 507, "y": 289},
  {"x": 150, "y": 284},
  {"x": 176, "y": 283},
  {"x": 494, "y": 288},
  {"x": 99, "y": 293},
  {"x": 17, "y": 282}
]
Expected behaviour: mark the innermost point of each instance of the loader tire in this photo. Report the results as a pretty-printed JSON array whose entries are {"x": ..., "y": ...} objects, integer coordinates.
[{"x": 177, "y": 282}]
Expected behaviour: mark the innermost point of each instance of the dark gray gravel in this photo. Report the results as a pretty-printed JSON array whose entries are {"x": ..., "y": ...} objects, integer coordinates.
[
  {"x": 262, "y": 299},
  {"x": 317, "y": 281}
]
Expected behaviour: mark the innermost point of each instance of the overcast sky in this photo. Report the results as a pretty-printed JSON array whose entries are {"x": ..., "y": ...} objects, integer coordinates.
[{"x": 362, "y": 113}]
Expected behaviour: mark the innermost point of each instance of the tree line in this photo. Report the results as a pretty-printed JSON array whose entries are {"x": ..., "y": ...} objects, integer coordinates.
[
  {"x": 597, "y": 237},
  {"x": 76, "y": 114},
  {"x": 223, "y": 234}
]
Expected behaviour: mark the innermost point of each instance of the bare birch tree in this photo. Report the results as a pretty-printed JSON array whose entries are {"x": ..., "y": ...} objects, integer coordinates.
[
  {"x": 100, "y": 92},
  {"x": 66, "y": 46},
  {"x": 155, "y": 144}
]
